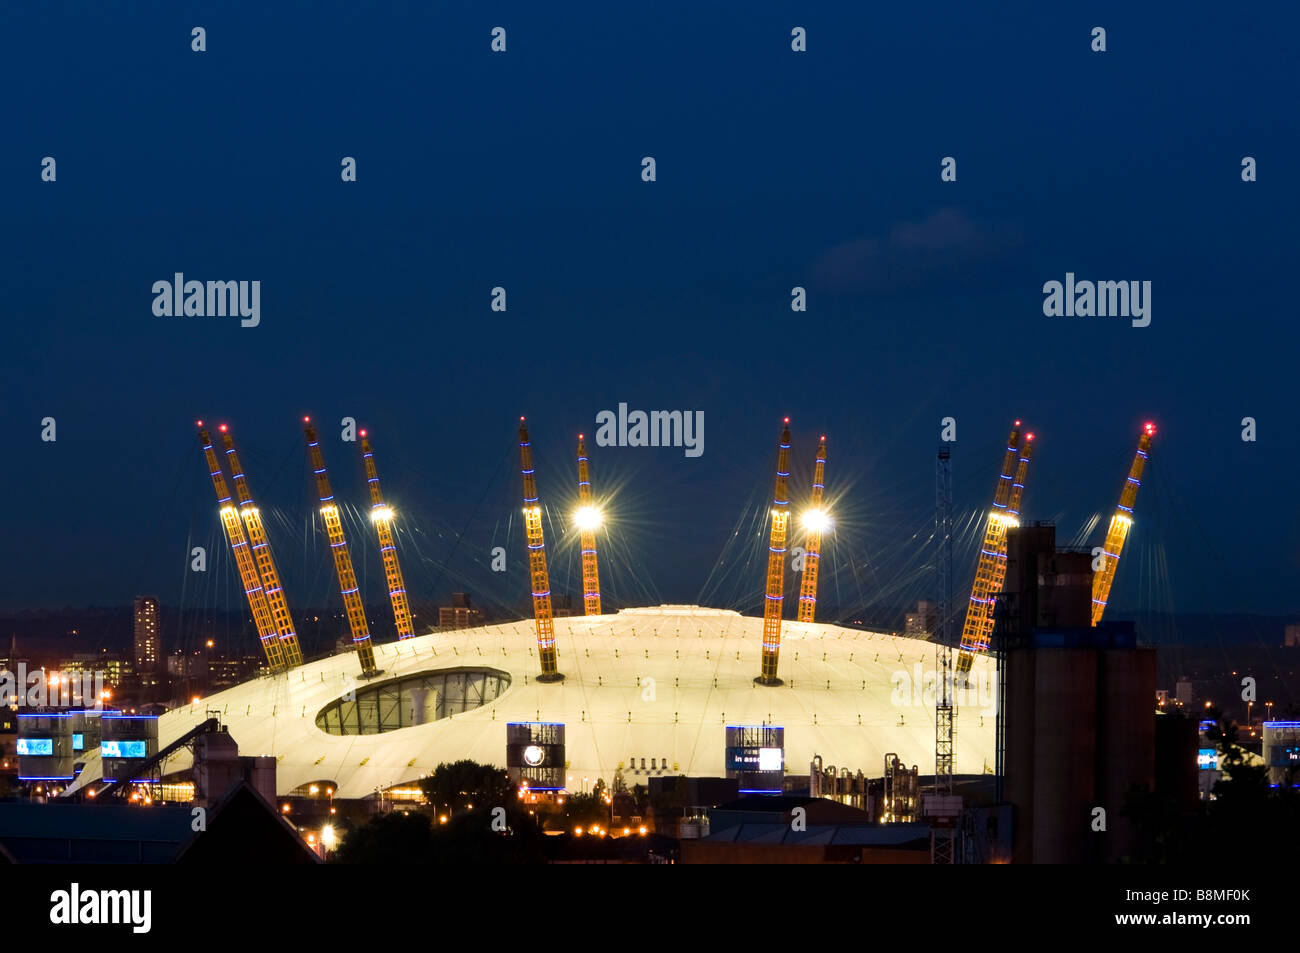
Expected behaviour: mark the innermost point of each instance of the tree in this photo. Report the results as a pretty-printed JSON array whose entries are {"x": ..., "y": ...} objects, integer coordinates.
[
  {"x": 394, "y": 838},
  {"x": 454, "y": 787},
  {"x": 1248, "y": 822},
  {"x": 473, "y": 837},
  {"x": 583, "y": 810}
]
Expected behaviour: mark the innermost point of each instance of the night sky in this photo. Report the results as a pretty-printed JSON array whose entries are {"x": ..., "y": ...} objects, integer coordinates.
[{"x": 775, "y": 169}]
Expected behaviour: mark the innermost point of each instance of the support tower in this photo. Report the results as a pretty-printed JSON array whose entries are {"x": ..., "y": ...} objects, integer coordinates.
[
  {"x": 816, "y": 523},
  {"x": 943, "y": 841},
  {"x": 541, "y": 579},
  {"x": 262, "y": 617},
  {"x": 381, "y": 514},
  {"x": 265, "y": 562},
  {"x": 329, "y": 511},
  {"x": 588, "y": 519},
  {"x": 1119, "y": 526},
  {"x": 991, "y": 568},
  {"x": 776, "y": 565}
]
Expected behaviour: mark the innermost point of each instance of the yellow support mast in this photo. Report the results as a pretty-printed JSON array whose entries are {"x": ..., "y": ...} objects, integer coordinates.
[
  {"x": 381, "y": 514},
  {"x": 262, "y": 617},
  {"x": 1000, "y": 566},
  {"x": 1119, "y": 526},
  {"x": 815, "y": 522},
  {"x": 261, "y": 549},
  {"x": 992, "y": 566},
  {"x": 1017, "y": 494},
  {"x": 329, "y": 511},
  {"x": 541, "y": 580},
  {"x": 588, "y": 519},
  {"x": 775, "y": 596}
]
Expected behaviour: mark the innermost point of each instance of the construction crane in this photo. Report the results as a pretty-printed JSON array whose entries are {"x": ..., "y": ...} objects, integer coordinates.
[
  {"x": 262, "y": 617},
  {"x": 776, "y": 565},
  {"x": 541, "y": 580},
  {"x": 942, "y": 837},
  {"x": 381, "y": 514},
  {"x": 588, "y": 518},
  {"x": 1119, "y": 526},
  {"x": 815, "y": 521},
  {"x": 991, "y": 569},
  {"x": 265, "y": 562},
  {"x": 329, "y": 511}
]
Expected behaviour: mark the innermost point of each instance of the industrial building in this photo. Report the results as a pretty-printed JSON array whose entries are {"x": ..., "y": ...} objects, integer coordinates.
[{"x": 1079, "y": 716}]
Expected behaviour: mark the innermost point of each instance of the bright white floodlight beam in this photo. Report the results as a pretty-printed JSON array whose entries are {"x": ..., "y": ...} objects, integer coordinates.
[
  {"x": 817, "y": 520},
  {"x": 587, "y": 517}
]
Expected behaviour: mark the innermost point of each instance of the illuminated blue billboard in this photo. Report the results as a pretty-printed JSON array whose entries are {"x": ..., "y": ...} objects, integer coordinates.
[
  {"x": 35, "y": 746},
  {"x": 122, "y": 749}
]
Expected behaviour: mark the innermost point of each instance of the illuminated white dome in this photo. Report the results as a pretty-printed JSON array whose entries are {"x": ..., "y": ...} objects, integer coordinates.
[{"x": 657, "y": 685}]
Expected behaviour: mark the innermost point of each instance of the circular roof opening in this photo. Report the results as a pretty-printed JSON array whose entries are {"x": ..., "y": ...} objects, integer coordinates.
[{"x": 412, "y": 700}]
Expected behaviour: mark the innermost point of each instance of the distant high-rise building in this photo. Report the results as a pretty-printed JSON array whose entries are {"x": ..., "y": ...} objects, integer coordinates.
[
  {"x": 919, "y": 624},
  {"x": 148, "y": 635},
  {"x": 561, "y": 605},
  {"x": 148, "y": 644},
  {"x": 1292, "y": 638},
  {"x": 460, "y": 614}
]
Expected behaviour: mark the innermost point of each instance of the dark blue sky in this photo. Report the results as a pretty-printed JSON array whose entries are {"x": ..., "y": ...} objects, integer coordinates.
[{"x": 522, "y": 169}]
